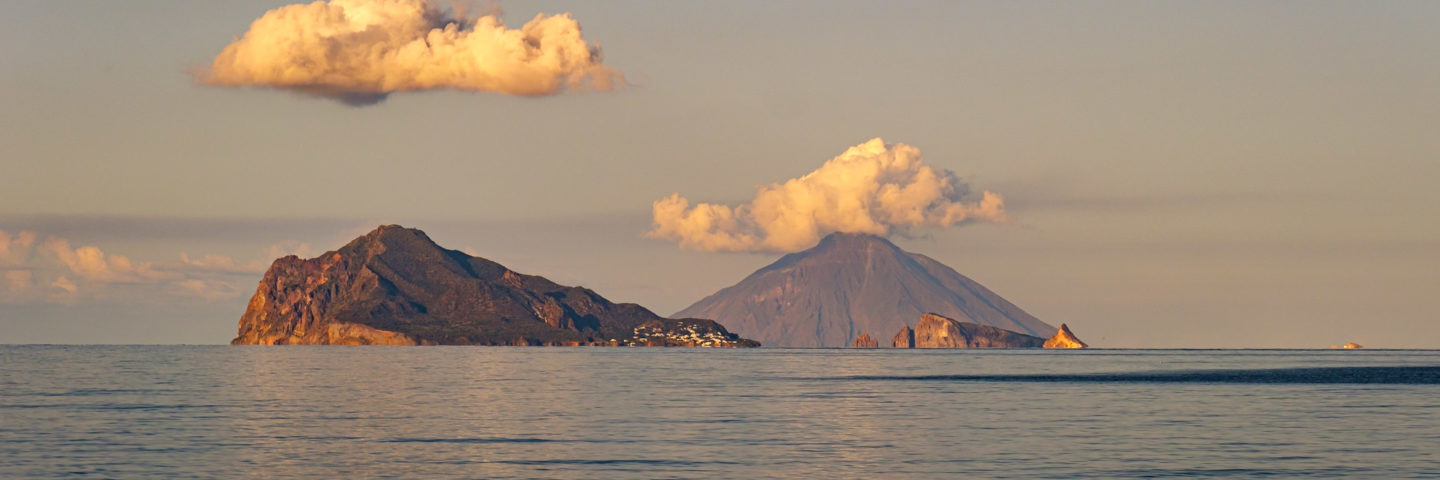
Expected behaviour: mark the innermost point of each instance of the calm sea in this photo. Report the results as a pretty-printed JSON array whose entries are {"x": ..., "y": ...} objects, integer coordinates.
[{"x": 599, "y": 413}]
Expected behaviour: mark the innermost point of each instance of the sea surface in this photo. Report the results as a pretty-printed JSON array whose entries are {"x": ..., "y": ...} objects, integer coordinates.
[{"x": 652, "y": 413}]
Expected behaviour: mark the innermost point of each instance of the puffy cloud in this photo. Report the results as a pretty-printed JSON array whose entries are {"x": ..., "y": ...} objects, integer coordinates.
[
  {"x": 360, "y": 51},
  {"x": 65, "y": 284},
  {"x": 92, "y": 264},
  {"x": 874, "y": 188},
  {"x": 15, "y": 249}
]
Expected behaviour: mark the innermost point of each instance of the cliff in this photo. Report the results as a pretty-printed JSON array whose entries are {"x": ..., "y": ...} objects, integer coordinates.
[
  {"x": 1064, "y": 339},
  {"x": 935, "y": 331},
  {"x": 865, "y": 341},
  {"x": 905, "y": 338},
  {"x": 394, "y": 286}
]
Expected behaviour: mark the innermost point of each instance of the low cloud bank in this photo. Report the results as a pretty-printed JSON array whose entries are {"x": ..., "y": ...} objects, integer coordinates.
[{"x": 54, "y": 271}]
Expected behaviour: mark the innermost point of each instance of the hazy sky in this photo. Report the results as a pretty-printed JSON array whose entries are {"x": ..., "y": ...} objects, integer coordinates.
[{"x": 1198, "y": 174}]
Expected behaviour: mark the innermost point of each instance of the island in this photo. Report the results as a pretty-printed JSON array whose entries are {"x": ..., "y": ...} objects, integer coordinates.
[{"x": 394, "y": 286}]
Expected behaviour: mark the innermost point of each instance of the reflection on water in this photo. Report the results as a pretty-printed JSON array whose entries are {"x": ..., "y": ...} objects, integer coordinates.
[{"x": 465, "y": 412}]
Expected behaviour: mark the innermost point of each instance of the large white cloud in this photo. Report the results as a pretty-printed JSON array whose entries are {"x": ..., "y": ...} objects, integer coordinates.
[
  {"x": 873, "y": 188},
  {"x": 360, "y": 51}
]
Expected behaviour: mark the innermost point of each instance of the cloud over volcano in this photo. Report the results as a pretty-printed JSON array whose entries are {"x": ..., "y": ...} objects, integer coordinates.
[
  {"x": 873, "y": 188},
  {"x": 361, "y": 51}
]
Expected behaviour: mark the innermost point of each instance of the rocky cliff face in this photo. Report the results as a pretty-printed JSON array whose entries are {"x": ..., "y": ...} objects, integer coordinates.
[
  {"x": 394, "y": 286},
  {"x": 1064, "y": 339},
  {"x": 905, "y": 338},
  {"x": 865, "y": 341},
  {"x": 852, "y": 283},
  {"x": 935, "y": 331}
]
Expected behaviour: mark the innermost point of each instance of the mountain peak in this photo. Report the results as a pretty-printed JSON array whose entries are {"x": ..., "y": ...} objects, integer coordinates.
[
  {"x": 396, "y": 286},
  {"x": 845, "y": 240},
  {"x": 390, "y": 237},
  {"x": 848, "y": 284},
  {"x": 391, "y": 232}
]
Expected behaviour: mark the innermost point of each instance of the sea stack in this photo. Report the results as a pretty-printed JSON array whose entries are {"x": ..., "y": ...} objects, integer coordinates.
[
  {"x": 1064, "y": 339},
  {"x": 904, "y": 339},
  {"x": 865, "y": 341},
  {"x": 937, "y": 331}
]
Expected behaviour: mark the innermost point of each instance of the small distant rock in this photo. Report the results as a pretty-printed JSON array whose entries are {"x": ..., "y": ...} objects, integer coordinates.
[
  {"x": 1064, "y": 339},
  {"x": 904, "y": 339},
  {"x": 865, "y": 341}
]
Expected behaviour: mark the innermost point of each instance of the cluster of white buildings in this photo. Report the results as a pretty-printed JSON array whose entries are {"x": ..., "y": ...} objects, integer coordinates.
[{"x": 685, "y": 335}]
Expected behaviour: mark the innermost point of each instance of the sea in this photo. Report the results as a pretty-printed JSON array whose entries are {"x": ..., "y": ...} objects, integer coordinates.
[{"x": 160, "y": 412}]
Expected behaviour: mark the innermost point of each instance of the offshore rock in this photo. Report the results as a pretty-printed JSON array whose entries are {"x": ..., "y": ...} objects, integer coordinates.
[
  {"x": 394, "y": 286},
  {"x": 1064, "y": 339},
  {"x": 865, "y": 341},
  {"x": 936, "y": 331},
  {"x": 904, "y": 339}
]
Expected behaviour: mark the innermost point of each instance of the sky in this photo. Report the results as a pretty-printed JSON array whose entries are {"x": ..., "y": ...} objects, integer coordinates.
[{"x": 1174, "y": 174}]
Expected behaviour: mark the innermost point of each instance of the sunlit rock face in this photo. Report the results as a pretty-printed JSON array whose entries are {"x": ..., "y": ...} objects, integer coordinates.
[
  {"x": 1064, "y": 339},
  {"x": 853, "y": 283},
  {"x": 935, "y": 331},
  {"x": 394, "y": 286},
  {"x": 905, "y": 338},
  {"x": 865, "y": 341}
]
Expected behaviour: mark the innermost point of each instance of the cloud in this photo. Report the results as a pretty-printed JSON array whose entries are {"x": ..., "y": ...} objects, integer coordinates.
[
  {"x": 19, "y": 281},
  {"x": 209, "y": 289},
  {"x": 361, "y": 51},
  {"x": 874, "y": 188},
  {"x": 15, "y": 249},
  {"x": 221, "y": 263},
  {"x": 90, "y": 263},
  {"x": 224, "y": 264},
  {"x": 287, "y": 248},
  {"x": 88, "y": 273},
  {"x": 65, "y": 284}
]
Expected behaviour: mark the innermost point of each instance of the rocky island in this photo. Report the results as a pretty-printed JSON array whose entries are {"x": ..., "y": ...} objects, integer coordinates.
[
  {"x": 1064, "y": 339},
  {"x": 939, "y": 331},
  {"x": 394, "y": 286}
]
